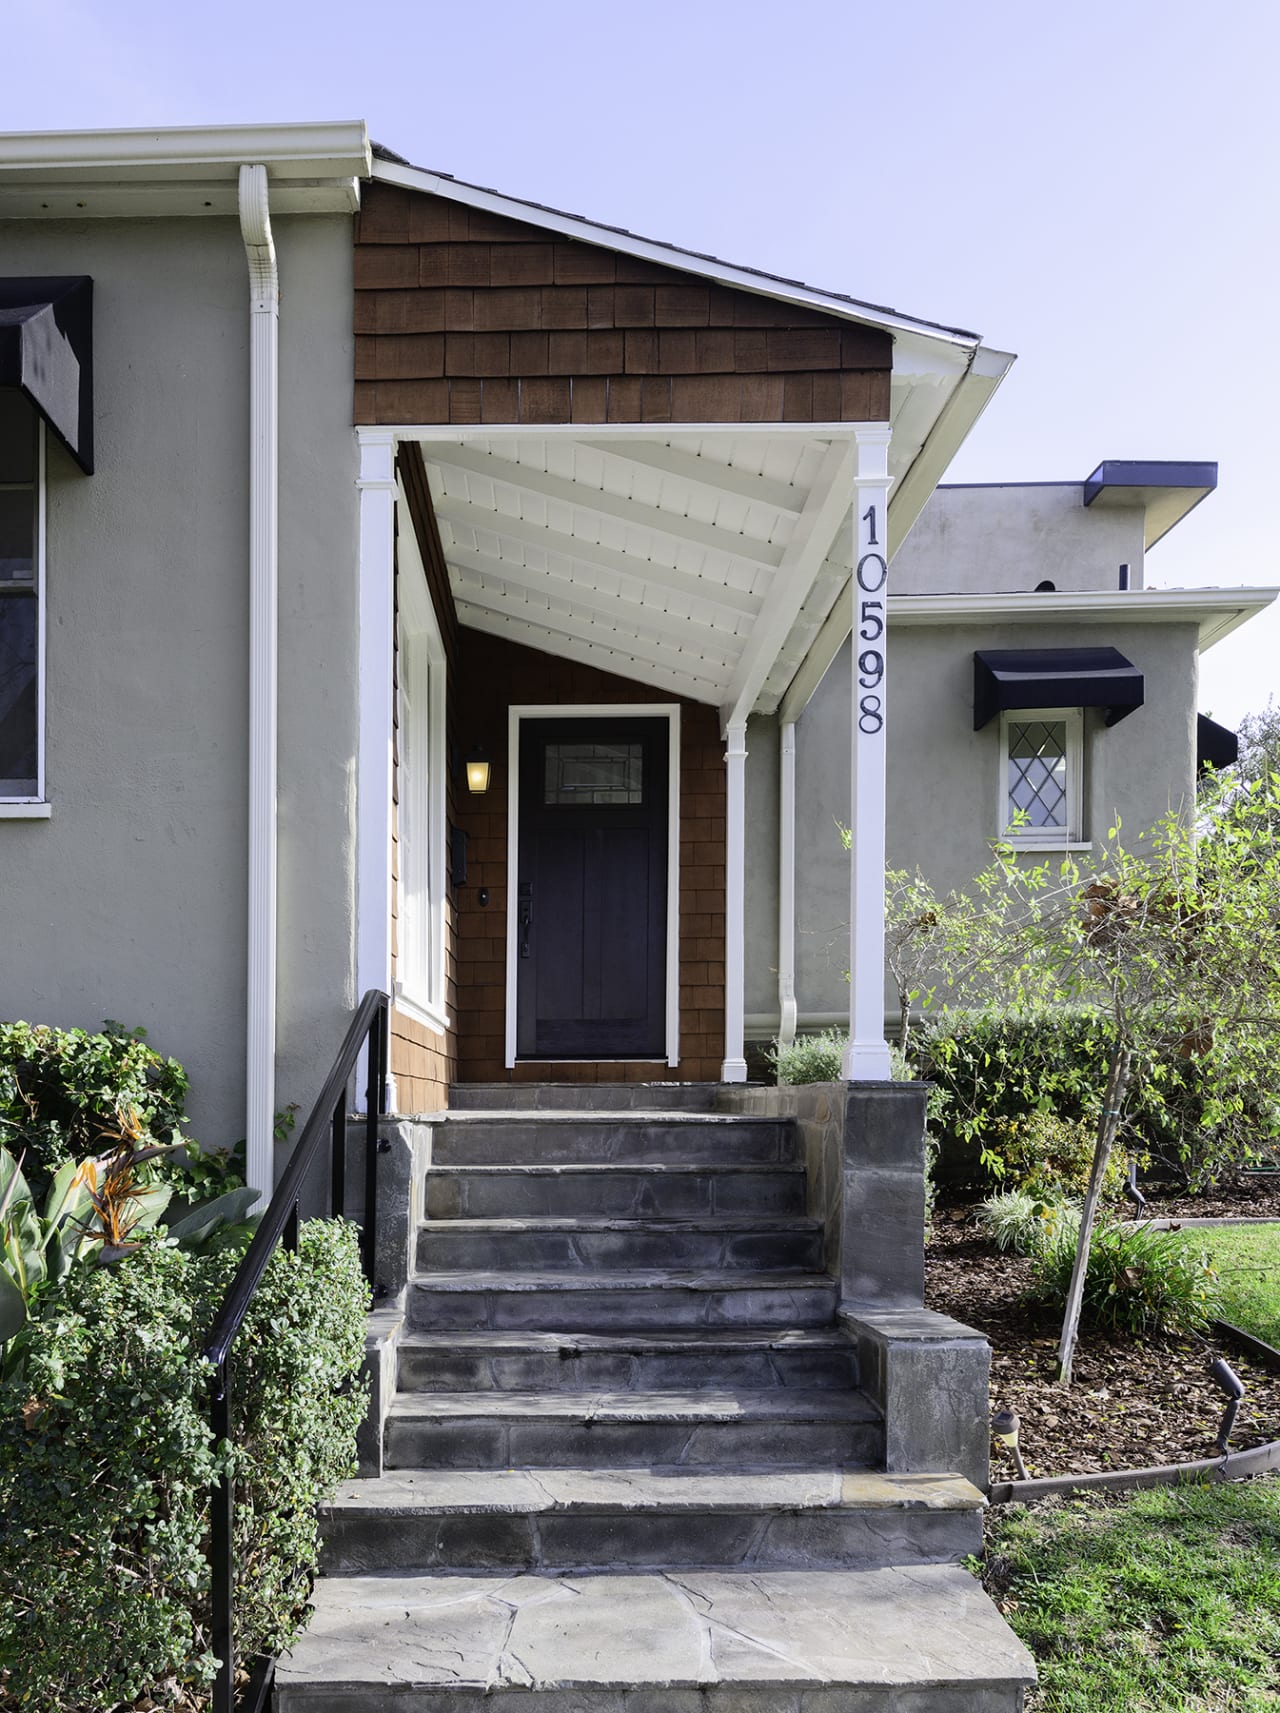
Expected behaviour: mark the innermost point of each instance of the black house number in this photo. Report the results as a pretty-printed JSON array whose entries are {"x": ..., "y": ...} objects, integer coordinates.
[{"x": 872, "y": 574}]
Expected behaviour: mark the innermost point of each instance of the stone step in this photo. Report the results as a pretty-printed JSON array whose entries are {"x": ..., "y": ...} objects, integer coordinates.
[
  {"x": 727, "y": 1243},
  {"x": 603, "y": 1519},
  {"x": 667, "y": 1190},
  {"x": 584, "y": 1097},
  {"x": 614, "y": 1138},
  {"x": 785, "y": 1427},
  {"x": 580, "y": 1301},
  {"x": 917, "y": 1639},
  {"x": 603, "y": 1362}
]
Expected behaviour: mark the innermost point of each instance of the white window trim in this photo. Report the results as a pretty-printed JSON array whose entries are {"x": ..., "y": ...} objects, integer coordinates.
[
  {"x": 1071, "y": 836},
  {"x": 420, "y": 977},
  {"x": 669, "y": 711},
  {"x": 36, "y": 808}
]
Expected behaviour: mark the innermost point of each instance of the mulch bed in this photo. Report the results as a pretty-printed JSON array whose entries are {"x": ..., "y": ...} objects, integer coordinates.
[{"x": 1132, "y": 1402}]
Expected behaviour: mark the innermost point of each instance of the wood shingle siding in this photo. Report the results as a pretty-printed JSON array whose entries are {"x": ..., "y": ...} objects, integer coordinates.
[{"x": 466, "y": 317}]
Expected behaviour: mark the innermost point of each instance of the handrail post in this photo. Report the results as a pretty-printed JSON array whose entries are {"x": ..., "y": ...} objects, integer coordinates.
[
  {"x": 338, "y": 1159},
  {"x": 221, "y": 1558},
  {"x": 375, "y": 1107}
]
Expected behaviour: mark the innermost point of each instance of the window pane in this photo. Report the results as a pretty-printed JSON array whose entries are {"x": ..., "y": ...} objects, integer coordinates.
[
  {"x": 594, "y": 773},
  {"x": 18, "y": 704},
  {"x": 17, "y": 438},
  {"x": 1038, "y": 773},
  {"x": 17, "y": 534}
]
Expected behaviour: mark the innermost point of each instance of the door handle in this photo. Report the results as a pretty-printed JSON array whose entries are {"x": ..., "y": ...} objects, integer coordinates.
[{"x": 525, "y": 915}]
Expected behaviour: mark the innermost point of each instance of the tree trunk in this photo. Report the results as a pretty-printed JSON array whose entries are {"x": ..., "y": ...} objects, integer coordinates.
[{"x": 1112, "y": 1106}]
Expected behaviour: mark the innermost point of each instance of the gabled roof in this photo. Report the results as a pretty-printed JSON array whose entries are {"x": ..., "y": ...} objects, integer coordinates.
[{"x": 394, "y": 169}]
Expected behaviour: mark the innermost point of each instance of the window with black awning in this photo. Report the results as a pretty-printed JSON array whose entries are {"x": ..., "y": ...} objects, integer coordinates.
[{"x": 1019, "y": 678}]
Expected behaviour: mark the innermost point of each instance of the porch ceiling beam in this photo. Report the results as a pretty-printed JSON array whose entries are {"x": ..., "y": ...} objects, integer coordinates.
[
  {"x": 764, "y": 555},
  {"x": 706, "y": 472},
  {"x": 630, "y": 565},
  {"x": 806, "y": 553},
  {"x": 637, "y": 647},
  {"x": 587, "y": 653},
  {"x": 645, "y": 621}
]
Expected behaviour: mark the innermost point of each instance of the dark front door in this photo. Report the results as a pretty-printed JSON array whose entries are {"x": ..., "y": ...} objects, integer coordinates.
[{"x": 591, "y": 899}]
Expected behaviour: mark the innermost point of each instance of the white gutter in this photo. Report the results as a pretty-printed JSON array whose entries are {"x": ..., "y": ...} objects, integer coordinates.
[
  {"x": 264, "y": 325},
  {"x": 787, "y": 885},
  {"x": 1216, "y": 612}
]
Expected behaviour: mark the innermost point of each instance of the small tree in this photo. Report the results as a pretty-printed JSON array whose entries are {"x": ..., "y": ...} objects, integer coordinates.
[{"x": 1171, "y": 943}]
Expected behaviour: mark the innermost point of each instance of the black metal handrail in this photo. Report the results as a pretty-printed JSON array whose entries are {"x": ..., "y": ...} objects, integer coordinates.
[{"x": 369, "y": 1026}]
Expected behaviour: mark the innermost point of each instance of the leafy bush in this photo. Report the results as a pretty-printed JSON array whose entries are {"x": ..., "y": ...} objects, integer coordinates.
[
  {"x": 1140, "y": 1280},
  {"x": 1026, "y": 1225},
  {"x": 997, "y": 1067},
  {"x": 106, "y": 1464},
  {"x": 65, "y": 1094},
  {"x": 809, "y": 1058},
  {"x": 1048, "y": 1156}
]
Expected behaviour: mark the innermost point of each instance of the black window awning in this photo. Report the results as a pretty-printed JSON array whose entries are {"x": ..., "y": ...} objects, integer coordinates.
[
  {"x": 1216, "y": 746},
  {"x": 1054, "y": 678},
  {"x": 46, "y": 351}
]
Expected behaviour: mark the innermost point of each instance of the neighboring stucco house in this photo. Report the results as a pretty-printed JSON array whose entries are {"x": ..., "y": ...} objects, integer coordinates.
[
  {"x": 454, "y": 476},
  {"x": 1036, "y": 672}
]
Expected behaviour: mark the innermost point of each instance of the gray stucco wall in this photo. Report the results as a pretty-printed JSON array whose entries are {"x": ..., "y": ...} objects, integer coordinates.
[
  {"x": 130, "y": 901},
  {"x": 1005, "y": 540},
  {"x": 944, "y": 783}
]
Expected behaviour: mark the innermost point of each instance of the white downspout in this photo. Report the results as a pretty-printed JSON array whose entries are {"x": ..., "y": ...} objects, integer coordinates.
[
  {"x": 787, "y": 886},
  {"x": 264, "y": 324},
  {"x": 734, "y": 1069}
]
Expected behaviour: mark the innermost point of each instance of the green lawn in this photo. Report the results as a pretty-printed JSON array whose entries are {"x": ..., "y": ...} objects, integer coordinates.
[
  {"x": 1165, "y": 1601},
  {"x": 1248, "y": 1261}
]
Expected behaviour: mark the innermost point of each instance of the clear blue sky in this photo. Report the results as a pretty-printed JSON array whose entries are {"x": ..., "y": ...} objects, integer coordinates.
[{"x": 1093, "y": 186}]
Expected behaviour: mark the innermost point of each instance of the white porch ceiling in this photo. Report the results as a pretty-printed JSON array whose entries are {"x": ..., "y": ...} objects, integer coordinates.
[{"x": 702, "y": 561}]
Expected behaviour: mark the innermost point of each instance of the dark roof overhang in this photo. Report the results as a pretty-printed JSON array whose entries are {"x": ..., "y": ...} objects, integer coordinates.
[
  {"x": 1054, "y": 678},
  {"x": 46, "y": 351},
  {"x": 1166, "y": 489},
  {"x": 1216, "y": 746}
]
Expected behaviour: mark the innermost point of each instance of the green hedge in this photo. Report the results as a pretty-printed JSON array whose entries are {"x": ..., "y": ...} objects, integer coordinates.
[
  {"x": 106, "y": 1465},
  {"x": 995, "y": 1068},
  {"x": 66, "y": 1094}
]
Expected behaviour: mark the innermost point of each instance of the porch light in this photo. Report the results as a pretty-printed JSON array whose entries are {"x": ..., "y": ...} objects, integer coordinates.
[{"x": 477, "y": 765}]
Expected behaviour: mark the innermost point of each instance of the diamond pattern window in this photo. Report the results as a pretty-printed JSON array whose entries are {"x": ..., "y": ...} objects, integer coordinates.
[
  {"x": 20, "y": 640},
  {"x": 1041, "y": 777}
]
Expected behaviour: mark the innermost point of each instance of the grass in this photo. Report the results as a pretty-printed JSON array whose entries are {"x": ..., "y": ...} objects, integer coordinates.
[
  {"x": 1247, "y": 1258},
  {"x": 1163, "y": 1601}
]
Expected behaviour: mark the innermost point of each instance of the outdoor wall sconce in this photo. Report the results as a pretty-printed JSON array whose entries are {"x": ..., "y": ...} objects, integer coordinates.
[{"x": 477, "y": 766}]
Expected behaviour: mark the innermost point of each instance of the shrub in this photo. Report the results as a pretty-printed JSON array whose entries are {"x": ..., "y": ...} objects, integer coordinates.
[
  {"x": 1047, "y": 1156},
  {"x": 1026, "y": 1225},
  {"x": 65, "y": 1094},
  {"x": 809, "y": 1058},
  {"x": 1140, "y": 1280},
  {"x": 106, "y": 1464},
  {"x": 998, "y": 1066}
]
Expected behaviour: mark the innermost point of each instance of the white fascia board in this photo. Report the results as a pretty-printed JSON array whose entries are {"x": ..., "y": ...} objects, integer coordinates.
[
  {"x": 1217, "y": 612},
  {"x": 332, "y": 150},
  {"x": 959, "y": 411},
  {"x": 312, "y": 169},
  {"x": 666, "y": 255}
]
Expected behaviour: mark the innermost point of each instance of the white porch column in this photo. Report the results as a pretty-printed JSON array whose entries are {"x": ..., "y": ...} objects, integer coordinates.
[
  {"x": 787, "y": 1008},
  {"x": 734, "y": 1069},
  {"x": 867, "y": 1056},
  {"x": 377, "y": 486},
  {"x": 260, "y": 997}
]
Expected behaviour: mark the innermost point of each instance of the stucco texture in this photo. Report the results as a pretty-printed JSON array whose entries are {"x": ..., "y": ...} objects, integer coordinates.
[
  {"x": 944, "y": 783},
  {"x": 130, "y": 901}
]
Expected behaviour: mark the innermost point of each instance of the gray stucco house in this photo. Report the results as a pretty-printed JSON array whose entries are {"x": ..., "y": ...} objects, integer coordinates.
[{"x": 408, "y": 588}]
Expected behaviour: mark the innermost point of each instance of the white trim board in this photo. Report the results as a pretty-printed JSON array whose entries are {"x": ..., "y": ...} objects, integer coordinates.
[
  {"x": 1216, "y": 611},
  {"x": 670, "y": 711}
]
